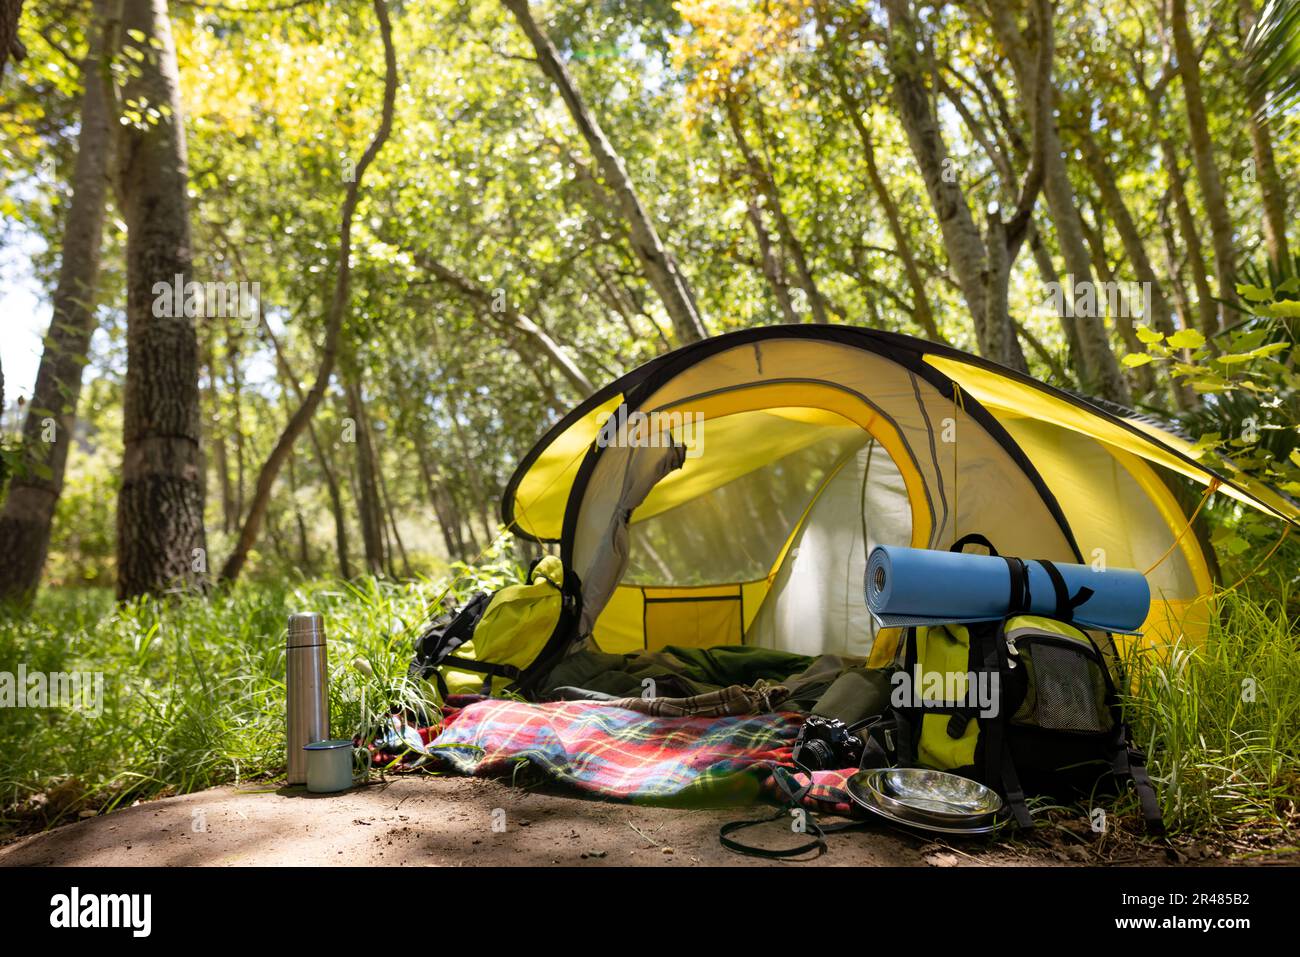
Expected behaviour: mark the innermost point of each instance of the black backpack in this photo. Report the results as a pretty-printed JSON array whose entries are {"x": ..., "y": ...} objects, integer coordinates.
[
  {"x": 444, "y": 634},
  {"x": 1050, "y": 720},
  {"x": 506, "y": 641}
]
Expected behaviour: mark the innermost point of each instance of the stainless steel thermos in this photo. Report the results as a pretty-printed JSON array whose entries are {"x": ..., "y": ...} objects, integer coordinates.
[{"x": 306, "y": 690}]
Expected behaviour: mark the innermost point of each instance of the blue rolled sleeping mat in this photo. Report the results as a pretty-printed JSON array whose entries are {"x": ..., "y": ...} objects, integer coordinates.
[{"x": 917, "y": 586}]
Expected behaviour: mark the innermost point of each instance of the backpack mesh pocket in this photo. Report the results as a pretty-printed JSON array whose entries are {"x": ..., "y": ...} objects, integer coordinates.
[{"x": 1066, "y": 690}]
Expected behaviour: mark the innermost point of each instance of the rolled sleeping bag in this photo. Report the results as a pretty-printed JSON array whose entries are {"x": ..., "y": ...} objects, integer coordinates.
[{"x": 917, "y": 586}]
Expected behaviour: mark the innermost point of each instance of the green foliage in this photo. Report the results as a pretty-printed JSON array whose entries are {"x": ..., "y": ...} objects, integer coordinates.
[
  {"x": 1221, "y": 722},
  {"x": 193, "y": 689},
  {"x": 1273, "y": 54},
  {"x": 1249, "y": 419}
]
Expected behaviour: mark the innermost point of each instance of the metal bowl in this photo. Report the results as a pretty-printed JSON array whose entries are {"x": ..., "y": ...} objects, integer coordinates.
[
  {"x": 870, "y": 800},
  {"x": 869, "y": 789},
  {"x": 937, "y": 793}
]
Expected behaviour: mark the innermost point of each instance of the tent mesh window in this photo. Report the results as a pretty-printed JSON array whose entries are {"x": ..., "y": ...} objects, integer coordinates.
[{"x": 736, "y": 531}]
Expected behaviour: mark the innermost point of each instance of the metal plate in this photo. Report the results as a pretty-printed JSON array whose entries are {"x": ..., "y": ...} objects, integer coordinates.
[{"x": 860, "y": 788}]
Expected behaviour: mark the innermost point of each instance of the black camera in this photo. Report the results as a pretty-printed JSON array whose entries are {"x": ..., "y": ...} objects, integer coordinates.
[{"x": 826, "y": 744}]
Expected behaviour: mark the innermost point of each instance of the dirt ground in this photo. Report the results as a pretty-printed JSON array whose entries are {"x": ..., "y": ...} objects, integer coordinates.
[{"x": 445, "y": 821}]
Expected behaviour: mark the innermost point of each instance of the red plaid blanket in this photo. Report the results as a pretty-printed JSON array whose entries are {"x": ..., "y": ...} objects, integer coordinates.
[{"x": 618, "y": 753}]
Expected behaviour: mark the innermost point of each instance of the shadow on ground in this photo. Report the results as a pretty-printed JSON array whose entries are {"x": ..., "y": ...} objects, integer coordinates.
[{"x": 425, "y": 820}]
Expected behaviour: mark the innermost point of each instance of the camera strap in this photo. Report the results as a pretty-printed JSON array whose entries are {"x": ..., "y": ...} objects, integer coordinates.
[{"x": 794, "y": 795}]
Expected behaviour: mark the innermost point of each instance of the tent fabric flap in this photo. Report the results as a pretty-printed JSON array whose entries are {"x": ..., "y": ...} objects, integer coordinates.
[{"x": 1001, "y": 391}]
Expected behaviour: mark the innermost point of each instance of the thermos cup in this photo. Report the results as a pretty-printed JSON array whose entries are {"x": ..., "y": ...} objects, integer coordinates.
[
  {"x": 306, "y": 690},
  {"x": 331, "y": 765}
]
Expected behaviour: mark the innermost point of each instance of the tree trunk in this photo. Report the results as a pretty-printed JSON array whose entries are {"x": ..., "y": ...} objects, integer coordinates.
[
  {"x": 1207, "y": 173},
  {"x": 217, "y": 439},
  {"x": 922, "y": 313},
  {"x": 235, "y": 375},
  {"x": 392, "y": 524},
  {"x": 300, "y": 524},
  {"x": 981, "y": 270},
  {"x": 460, "y": 506},
  {"x": 1184, "y": 394},
  {"x": 477, "y": 487},
  {"x": 999, "y": 154},
  {"x": 1134, "y": 248},
  {"x": 1048, "y": 275},
  {"x": 961, "y": 237},
  {"x": 368, "y": 501},
  {"x": 1100, "y": 371},
  {"x": 448, "y": 521},
  {"x": 660, "y": 267},
  {"x": 766, "y": 185},
  {"x": 161, "y": 544},
  {"x": 11, "y": 47},
  {"x": 336, "y": 507},
  {"x": 1207, "y": 309},
  {"x": 1143, "y": 376},
  {"x": 1001, "y": 334},
  {"x": 771, "y": 265},
  {"x": 47, "y": 430},
  {"x": 334, "y": 322},
  {"x": 322, "y": 458}
]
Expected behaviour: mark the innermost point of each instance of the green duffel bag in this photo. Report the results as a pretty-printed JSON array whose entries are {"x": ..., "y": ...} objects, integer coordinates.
[{"x": 507, "y": 642}]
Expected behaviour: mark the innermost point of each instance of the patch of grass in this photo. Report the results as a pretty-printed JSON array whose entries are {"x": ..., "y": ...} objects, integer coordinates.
[
  {"x": 193, "y": 688},
  {"x": 1221, "y": 721}
]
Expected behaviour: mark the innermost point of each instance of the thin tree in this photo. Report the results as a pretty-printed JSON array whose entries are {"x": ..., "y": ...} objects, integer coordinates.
[
  {"x": 323, "y": 459},
  {"x": 368, "y": 503},
  {"x": 765, "y": 182},
  {"x": 1207, "y": 172},
  {"x": 660, "y": 267},
  {"x": 1100, "y": 370},
  {"x": 47, "y": 431},
  {"x": 1272, "y": 192},
  {"x": 338, "y": 308},
  {"x": 11, "y": 47},
  {"x": 982, "y": 263}
]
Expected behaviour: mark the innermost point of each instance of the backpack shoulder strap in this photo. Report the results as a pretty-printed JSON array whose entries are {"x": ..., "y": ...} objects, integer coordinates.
[
  {"x": 999, "y": 766},
  {"x": 434, "y": 645},
  {"x": 908, "y": 724}
]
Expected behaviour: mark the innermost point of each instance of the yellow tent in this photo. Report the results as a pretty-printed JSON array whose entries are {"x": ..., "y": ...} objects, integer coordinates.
[{"x": 729, "y": 492}]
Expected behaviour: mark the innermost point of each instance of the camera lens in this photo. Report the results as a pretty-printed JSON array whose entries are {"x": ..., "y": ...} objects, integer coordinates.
[{"x": 817, "y": 755}]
